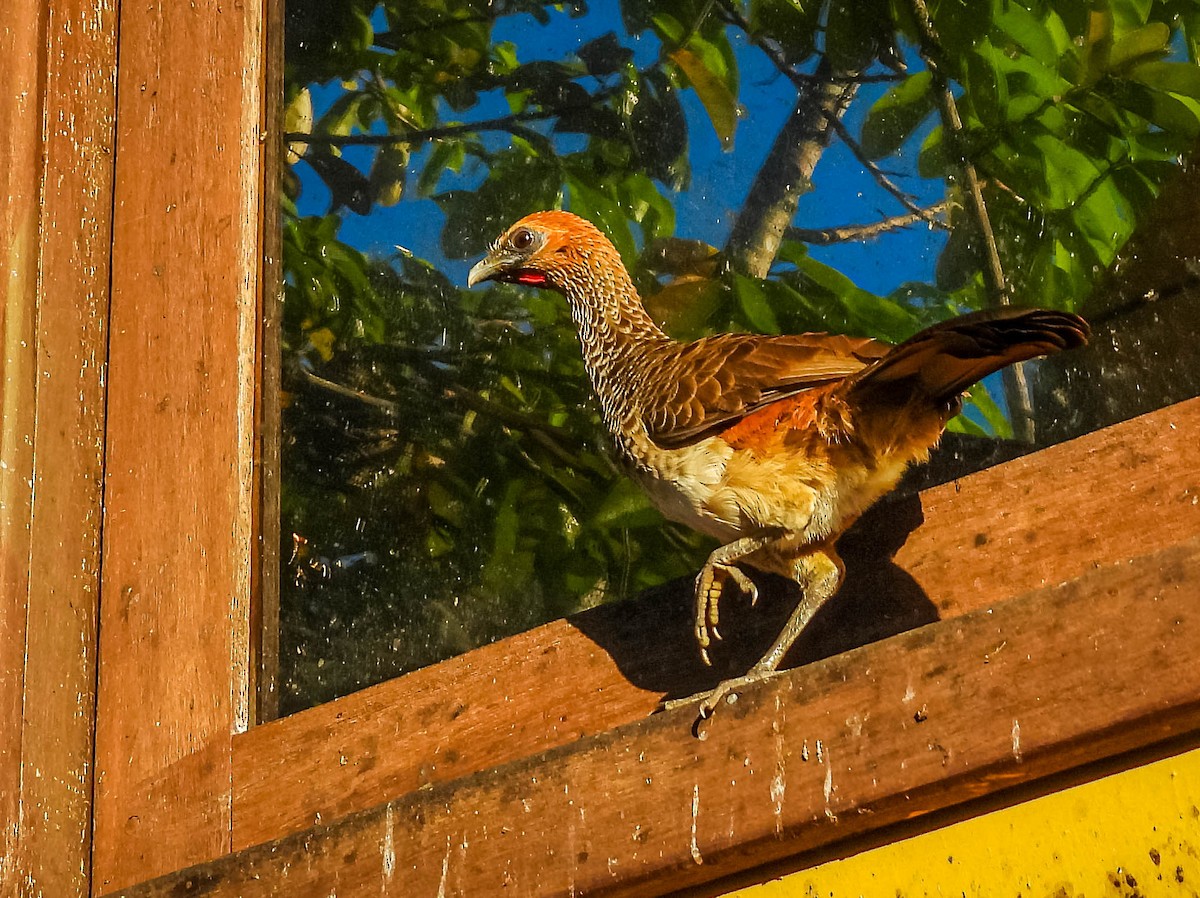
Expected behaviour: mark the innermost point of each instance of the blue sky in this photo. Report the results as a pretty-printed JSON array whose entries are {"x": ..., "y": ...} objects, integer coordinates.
[{"x": 843, "y": 192}]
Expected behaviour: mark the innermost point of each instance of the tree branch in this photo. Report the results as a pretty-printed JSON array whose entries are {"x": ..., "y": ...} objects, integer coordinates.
[
  {"x": 387, "y": 405},
  {"x": 502, "y": 123},
  {"x": 786, "y": 174},
  {"x": 823, "y": 82},
  {"x": 826, "y": 236}
]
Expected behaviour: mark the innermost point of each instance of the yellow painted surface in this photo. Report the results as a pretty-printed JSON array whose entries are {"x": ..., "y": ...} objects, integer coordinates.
[{"x": 1135, "y": 833}]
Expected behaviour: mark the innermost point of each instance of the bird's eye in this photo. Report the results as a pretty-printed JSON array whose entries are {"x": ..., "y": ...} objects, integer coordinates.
[{"x": 522, "y": 239}]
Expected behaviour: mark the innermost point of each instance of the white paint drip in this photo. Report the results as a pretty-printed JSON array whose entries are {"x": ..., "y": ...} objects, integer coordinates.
[
  {"x": 388, "y": 848},
  {"x": 696, "y": 856},
  {"x": 778, "y": 781},
  {"x": 445, "y": 870},
  {"x": 828, "y": 787},
  {"x": 778, "y": 789},
  {"x": 1016, "y": 740}
]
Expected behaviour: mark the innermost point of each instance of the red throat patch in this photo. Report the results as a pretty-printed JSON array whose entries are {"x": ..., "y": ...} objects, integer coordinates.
[{"x": 531, "y": 278}]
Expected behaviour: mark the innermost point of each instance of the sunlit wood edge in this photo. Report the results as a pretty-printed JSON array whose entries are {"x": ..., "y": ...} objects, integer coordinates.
[{"x": 1057, "y": 678}]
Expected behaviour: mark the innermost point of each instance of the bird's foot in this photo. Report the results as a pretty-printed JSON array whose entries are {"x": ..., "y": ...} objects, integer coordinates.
[
  {"x": 726, "y": 691},
  {"x": 710, "y": 583}
]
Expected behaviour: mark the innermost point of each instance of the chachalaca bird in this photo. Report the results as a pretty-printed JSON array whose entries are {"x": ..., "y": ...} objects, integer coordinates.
[{"x": 773, "y": 445}]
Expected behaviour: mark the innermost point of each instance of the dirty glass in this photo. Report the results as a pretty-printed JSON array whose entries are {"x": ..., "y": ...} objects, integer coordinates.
[{"x": 761, "y": 165}]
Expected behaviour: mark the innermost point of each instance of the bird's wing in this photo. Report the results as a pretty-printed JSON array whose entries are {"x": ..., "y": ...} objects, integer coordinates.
[{"x": 712, "y": 383}]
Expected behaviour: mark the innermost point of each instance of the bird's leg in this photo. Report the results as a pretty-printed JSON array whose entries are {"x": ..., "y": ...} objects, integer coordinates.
[
  {"x": 819, "y": 572},
  {"x": 710, "y": 582}
]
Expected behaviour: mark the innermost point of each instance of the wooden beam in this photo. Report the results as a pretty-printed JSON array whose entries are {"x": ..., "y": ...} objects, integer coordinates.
[
  {"x": 56, "y": 117},
  {"x": 21, "y": 94},
  {"x": 959, "y": 547},
  {"x": 1059, "y": 677},
  {"x": 74, "y": 247},
  {"x": 174, "y": 679}
]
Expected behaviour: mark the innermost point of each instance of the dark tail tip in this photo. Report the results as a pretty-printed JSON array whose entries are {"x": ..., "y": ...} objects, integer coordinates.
[{"x": 944, "y": 360}]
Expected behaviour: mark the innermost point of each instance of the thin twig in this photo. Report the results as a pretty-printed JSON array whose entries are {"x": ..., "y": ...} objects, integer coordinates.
[
  {"x": 1016, "y": 384},
  {"x": 801, "y": 81},
  {"x": 390, "y": 40},
  {"x": 545, "y": 435},
  {"x": 952, "y": 124},
  {"x": 337, "y": 389},
  {"x": 502, "y": 123},
  {"x": 826, "y": 236},
  {"x": 905, "y": 199}
]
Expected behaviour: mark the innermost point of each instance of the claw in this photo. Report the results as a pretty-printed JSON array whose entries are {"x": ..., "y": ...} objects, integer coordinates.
[
  {"x": 726, "y": 691},
  {"x": 745, "y": 584},
  {"x": 710, "y": 583}
]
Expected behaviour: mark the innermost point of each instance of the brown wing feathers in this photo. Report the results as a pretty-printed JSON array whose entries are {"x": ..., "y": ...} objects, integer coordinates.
[
  {"x": 713, "y": 383},
  {"x": 707, "y": 385}
]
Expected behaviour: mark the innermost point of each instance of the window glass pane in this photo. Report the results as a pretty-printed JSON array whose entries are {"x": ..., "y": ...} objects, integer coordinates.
[{"x": 761, "y": 166}]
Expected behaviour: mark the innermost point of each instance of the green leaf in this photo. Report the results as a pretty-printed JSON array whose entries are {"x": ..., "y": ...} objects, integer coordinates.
[
  {"x": 604, "y": 55},
  {"x": 1131, "y": 13},
  {"x": 625, "y": 505},
  {"x": 962, "y": 424},
  {"x": 990, "y": 411},
  {"x": 1031, "y": 33},
  {"x": 895, "y": 115},
  {"x": 659, "y": 129},
  {"x": 1097, "y": 45},
  {"x": 987, "y": 86},
  {"x": 1177, "y": 115},
  {"x": 793, "y": 23},
  {"x": 1175, "y": 77},
  {"x": 1068, "y": 172},
  {"x": 388, "y": 174},
  {"x": 720, "y": 101},
  {"x": 1148, "y": 42},
  {"x": 931, "y": 160},
  {"x": 342, "y": 115},
  {"x": 597, "y": 206},
  {"x": 754, "y": 304},
  {"x": 865, "y": 313},
  {"x": 853, "y": 33},
  {"x": 446, "y": 154},
  {"x": 519, "y": 182},
  {"x": 644, "y": 204}
]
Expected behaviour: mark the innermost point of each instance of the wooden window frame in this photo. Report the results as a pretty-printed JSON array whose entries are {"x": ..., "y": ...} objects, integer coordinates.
[{"x": 534, "y": 764}]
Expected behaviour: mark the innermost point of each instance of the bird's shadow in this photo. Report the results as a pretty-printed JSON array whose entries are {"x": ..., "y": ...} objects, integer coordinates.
[{"x": 651, "y": 638}]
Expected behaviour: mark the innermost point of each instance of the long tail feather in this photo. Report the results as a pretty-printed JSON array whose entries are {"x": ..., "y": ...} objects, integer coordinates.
[{"x": 944, "y": 360}]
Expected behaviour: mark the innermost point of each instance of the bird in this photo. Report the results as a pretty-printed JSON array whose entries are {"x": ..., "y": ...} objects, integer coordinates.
[{"x": 773, "y": 445}]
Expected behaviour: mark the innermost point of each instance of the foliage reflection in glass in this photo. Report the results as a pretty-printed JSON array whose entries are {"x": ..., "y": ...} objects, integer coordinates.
[{"x": 762, "y": 165}]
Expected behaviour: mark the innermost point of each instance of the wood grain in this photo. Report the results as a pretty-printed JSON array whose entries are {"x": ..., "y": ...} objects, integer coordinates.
[
  {"x": 20, "y": 176},
  {"x": 891, "y": 732},
  {"x": 174, "y": 680},
  {"x": 60, "y": 652},
  {"x": 265, "y": 609},
  {"x": 960, "y": 547}
]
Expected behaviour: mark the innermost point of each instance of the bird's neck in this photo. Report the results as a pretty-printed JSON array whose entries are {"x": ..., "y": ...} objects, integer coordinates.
[{"x": 617, "y": 335}]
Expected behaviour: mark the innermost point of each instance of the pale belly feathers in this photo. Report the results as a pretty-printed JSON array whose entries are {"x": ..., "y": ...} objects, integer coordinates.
[{"x": 729, "y": 493}]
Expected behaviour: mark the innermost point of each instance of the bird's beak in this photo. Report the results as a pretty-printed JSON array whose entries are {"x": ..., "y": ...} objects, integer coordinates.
[{"x": 485, "y": 269}]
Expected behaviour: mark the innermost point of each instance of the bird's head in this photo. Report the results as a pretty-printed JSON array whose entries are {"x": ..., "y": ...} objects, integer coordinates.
[{"x": 545, "y": 249}]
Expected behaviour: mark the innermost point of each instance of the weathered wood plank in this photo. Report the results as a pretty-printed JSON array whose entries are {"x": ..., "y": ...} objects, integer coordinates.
[
  {"x": 989, "y": 536},
  {"x": 74, "y": 241},
  {"x": 174, "y": 680},
  {"x": 20, "y": 177},
  {"x": 1048, "y": 681},
  {"x": 265, "y": 610}
]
